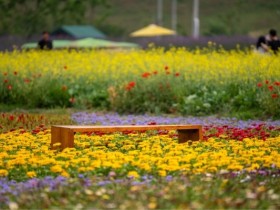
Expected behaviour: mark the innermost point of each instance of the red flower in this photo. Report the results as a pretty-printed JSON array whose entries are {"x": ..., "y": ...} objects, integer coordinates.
[
  {"x": 15, "y": 72},
  {"x": 259, "y": 84},
  {"x": 277, "y": 83},
  {"x": 270, "y": 88},
  {"x": 266, "y": 82},
  {"x": 130, "y": 85},
  {"x": 166, "y": 68},
  {"x": 274, "y": 95},
  {"x": 27, "y": 80},
  {"x": 10, "y": 87},
  {"x": 6, "y": 81},
  {"x": 11, "y": 117},
  {"x": 72, "y": 100},
  {"x": 146, "y": 75},
  {"x": 177, "y": 74}
]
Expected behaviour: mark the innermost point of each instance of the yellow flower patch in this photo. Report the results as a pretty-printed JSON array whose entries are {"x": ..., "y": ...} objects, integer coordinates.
[{"x": 151, "y": 154}]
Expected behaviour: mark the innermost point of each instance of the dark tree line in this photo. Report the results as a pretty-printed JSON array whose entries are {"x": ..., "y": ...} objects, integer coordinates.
[{"x": 27, "y": 17}]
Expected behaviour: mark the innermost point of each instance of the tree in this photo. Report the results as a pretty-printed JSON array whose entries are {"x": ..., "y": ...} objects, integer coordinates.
[{"x": 29, "y": 17}]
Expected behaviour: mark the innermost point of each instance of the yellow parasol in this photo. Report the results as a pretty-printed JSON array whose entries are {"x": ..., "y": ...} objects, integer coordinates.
[{"x": 153, "y": 30}]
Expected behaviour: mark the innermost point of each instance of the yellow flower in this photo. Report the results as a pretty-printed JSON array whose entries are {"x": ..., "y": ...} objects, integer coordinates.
[
  {"x": 3, "y": 172},
  {"x": 31, "y": 174},
  {"x": 65, "y": 174},
  {"x": 133, "y": 174},
  {"x": 57, "y": 144},
  {"x": 56, "y": 169},
  {"x": 162, "y": 172}
]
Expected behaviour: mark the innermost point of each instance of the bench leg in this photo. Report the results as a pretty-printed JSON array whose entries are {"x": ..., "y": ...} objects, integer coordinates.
[
  {"x": 65, "y": 136},
  {"x": 191, "y": 134},
  {"x": 55, "y": 136}
]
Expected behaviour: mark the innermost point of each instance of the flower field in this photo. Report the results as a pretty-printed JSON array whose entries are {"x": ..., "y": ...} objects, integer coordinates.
[
  {"x": 201, "y": 82},
  {"x": 235, "y": 165}
]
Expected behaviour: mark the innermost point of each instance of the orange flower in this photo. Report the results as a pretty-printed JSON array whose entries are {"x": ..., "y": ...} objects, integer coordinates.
[
  {"x": 10, "y": 87},
  {"x": 64, "y": 88}
]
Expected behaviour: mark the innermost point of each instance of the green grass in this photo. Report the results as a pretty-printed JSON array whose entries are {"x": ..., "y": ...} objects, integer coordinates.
[{"x": 252, "y": 17}]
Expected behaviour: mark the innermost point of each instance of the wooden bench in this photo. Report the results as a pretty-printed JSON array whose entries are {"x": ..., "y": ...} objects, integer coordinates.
[{"x": 64, "y": 134}]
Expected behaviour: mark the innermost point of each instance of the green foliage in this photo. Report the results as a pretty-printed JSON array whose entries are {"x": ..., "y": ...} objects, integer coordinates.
[
  {"x": 36, "y": 16},
  {"x": 154, "y": 92}
]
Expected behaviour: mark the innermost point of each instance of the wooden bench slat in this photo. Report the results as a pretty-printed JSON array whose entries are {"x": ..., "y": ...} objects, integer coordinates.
[
  {"x": 64, "y": 134},
  {"x": 86, "y": 128}
]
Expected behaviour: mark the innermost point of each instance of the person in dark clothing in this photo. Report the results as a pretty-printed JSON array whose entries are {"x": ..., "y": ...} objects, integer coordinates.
[
  {"x": 45, "y": 42},
  {"x": 273, "y": 41},
  {"x": 261, "y": 45}
]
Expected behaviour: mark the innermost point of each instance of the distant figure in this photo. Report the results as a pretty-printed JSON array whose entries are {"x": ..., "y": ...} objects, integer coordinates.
[
  {"x": 45, "y": 42},
  {"x": 273, "y": 41},
  {"x": 261, "y": 45}
]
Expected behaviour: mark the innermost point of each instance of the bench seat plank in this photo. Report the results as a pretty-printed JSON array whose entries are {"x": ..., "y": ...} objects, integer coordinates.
[
  {"x": 88, "y": 128},
  {"x": 64, "y": 134}
]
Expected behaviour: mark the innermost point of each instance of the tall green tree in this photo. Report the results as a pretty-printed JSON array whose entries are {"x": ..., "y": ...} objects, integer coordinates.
[{"x": 28, "y": 17}]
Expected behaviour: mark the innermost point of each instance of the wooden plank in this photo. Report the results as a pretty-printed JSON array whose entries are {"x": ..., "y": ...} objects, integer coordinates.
[{"x": 82, "y": 128}]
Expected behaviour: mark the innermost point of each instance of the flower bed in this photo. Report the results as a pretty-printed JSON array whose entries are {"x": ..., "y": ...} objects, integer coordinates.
[
  {"x": 200, "y": 82},
  {"x": 236, "y": 165}
]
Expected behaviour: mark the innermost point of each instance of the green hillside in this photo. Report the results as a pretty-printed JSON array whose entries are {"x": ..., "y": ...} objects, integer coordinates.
[{"x": 228, "y": 17}]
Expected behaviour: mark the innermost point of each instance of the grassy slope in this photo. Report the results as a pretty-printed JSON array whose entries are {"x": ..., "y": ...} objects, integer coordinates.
[{"x": 252, "y": 17}]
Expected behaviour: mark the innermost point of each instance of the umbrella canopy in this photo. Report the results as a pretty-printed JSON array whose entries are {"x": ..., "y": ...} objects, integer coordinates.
[
  {"x": 56, "y": 44},
  {"x": 152, "y": 30}
]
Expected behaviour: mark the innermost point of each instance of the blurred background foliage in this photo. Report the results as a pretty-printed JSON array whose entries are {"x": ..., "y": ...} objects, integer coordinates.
[{"x": 250, "y": 17}]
